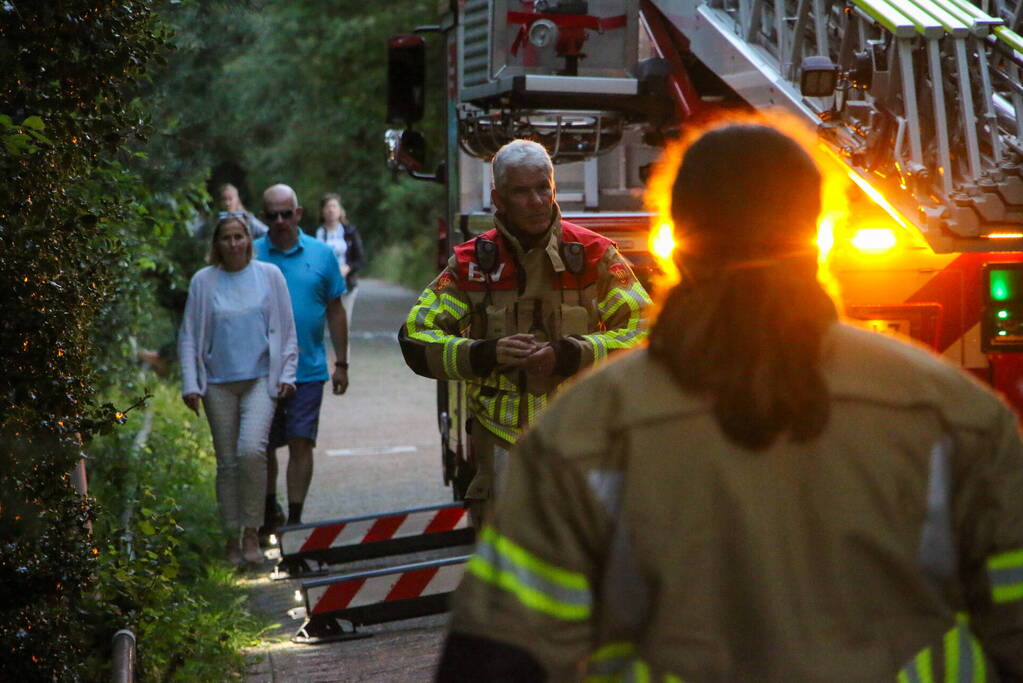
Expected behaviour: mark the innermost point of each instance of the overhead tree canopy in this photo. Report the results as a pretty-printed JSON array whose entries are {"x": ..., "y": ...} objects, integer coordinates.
[{"x": 295, "y": 92}]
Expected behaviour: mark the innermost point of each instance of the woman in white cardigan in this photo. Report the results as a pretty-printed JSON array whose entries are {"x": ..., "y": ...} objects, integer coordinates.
[{"x": 238, "y": 353}]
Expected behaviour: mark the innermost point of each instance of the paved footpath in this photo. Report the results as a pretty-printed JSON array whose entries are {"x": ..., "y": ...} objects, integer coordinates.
[{"x": 378, "y": 450}]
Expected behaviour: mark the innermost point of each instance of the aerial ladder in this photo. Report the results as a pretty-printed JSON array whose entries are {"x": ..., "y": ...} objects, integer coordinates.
[{"x": 916, "y": 105}]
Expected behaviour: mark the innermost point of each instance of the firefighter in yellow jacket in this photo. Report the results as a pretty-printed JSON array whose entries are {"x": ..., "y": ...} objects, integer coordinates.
[
  {"x": 762, "y": 494},
  {"x": 520, "y": 308}
]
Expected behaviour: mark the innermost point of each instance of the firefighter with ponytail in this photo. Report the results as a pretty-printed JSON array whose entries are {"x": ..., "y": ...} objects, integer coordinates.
[{"x": 764, "y": 493}]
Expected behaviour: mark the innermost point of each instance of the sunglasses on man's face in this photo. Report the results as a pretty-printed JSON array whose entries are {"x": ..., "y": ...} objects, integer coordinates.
[{"x": 274, "y": 215}]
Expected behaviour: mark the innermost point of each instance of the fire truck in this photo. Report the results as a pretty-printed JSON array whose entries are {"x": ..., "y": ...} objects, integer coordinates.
[{"x": 916, "y": 107}]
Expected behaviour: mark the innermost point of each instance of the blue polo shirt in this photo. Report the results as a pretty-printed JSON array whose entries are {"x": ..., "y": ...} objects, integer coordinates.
[{"x": 313, "y": 278}]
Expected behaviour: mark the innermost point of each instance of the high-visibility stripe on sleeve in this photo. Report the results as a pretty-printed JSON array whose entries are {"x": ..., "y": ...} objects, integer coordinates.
[
  {"x": 964, "y": 661},
  {"x": 455, "y": 308},
  {"x": 920, "y": 670},
  {"x": 618, "y": 663},
  {"x": 627, "y": 334},
  {"x": 537, "y": 584},
  {"x": 450, "y": 356},
  {"x": 1005, "y": 571},
  {"x": 635, "y": 297},
  {"x": 422, "y": 325},
  {"x": 961, "y": 657},
  {"x": 421, "y": 321},
  {"x": 599, "y": 347}
]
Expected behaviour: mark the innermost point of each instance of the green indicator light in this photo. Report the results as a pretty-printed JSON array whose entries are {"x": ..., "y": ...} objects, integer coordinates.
[
  {"x": 1003, "y": 314},
  {"x": 1001, "y": 285},
  {"x": 1002, "y": 333}
]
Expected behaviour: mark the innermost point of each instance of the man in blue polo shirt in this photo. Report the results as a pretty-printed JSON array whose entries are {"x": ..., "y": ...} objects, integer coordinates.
[{"x": 316, "y": 286}]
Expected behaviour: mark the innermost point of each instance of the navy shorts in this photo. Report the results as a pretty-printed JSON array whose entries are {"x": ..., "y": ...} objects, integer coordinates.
[{"x": 298, "y": 415}]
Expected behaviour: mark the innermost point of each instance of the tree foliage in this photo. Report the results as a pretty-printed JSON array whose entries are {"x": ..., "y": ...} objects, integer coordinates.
[
  {"x": 296, "y": 92},
  {"x": 63, "y": 118},
  {"x": 105, "y": 147}
]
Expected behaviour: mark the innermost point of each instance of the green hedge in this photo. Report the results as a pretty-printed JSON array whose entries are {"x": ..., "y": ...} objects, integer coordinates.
[
  {"x": 163, "y": 574},
  {"x": 87, "y": 254}
]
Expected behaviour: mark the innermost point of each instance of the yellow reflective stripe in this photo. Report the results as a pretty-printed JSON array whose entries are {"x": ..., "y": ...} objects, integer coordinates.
[
  {"x": 952, "y": 656},
  {"x": 925, "y": 667},
  {"x": 1005, "y": 573},
  {"x": 979, "y": 664},
  {"x": 635, "y": 297},
  {"x": 421, "y": 320},
  {"x": 599, "y": 347},
  {"x": 919, "y": 670},
  {"x": 1011, "y": 593},
  {"x": 426, "y": 300},
  {"x": 962, "y": 658},
  {"x": 537, "y": 584},
  {"x": 609, "y": 661},
  {"x": 522, "y": 557},
  {"x": 624, "y": 336},
  {"x": 456, "y": 308},
  {"x": 508, "y": 434},
  {"x": 535, "y": 404},
  {"x": 613, "y": 651},
  {"x": 617, "y": 663},
  {"x": 1010, "y": 560},
  {"x": 509, "y": 414},
  {"x": 528, "y": 596},
  {"x": 450, "y": 356}
]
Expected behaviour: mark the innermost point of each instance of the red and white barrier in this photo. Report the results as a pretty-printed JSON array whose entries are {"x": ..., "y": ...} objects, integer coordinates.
[
  {"x": 396, "y": 584},
  {"x": 356, "y": 531},
  {"x": 336, "y": 606}
]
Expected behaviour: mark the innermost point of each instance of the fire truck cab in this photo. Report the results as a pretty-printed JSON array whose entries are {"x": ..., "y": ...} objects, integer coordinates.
[{"x": 916, "y": 106}]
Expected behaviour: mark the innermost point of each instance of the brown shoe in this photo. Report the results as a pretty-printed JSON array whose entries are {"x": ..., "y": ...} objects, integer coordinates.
[
  {"x": 233, "y": 552},
  {"x": 250, "y": 547}
]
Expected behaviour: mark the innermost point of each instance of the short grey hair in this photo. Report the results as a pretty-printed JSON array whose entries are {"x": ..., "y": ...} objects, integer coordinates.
[
  {"x": 519, "y": 153},
  {"x": 285, "y": 188}
]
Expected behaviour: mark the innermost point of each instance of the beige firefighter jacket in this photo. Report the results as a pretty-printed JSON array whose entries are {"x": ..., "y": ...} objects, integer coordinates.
[
  {"x": 598, "y": 312},
  {"x": 633, "y": 542}
]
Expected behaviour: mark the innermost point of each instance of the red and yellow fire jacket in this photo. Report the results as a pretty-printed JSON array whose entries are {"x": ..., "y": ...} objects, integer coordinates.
[{"x": 576, "y": 292}]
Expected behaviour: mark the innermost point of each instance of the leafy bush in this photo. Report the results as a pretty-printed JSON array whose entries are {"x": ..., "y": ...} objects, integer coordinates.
[
  {"x": 411, "y": 263},
  {"x": 63, "y": 117},
  {"x": 162, "y": 571}
]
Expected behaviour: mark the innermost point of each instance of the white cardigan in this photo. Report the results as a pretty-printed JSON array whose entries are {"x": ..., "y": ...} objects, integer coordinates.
[{"x": 194, "y": 341}]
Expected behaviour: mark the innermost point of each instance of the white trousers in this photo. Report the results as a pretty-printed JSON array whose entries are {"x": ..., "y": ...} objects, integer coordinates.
[
  {"x": 240, "y": 414},
  {"x": 348, "y": 300}
]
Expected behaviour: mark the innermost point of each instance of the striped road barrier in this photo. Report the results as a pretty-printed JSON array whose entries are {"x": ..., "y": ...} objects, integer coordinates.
[
  {"x": 336, "y": 606},
  {"x": 361, "y": 538}
]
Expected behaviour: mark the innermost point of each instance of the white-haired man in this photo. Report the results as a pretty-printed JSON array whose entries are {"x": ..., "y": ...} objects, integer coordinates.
[
  {"x": 316, "y": 287},
  {"x": 520, "y": 308}
]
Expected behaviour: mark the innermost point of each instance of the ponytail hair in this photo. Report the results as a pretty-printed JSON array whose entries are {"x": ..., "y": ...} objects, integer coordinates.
[{"x": 744, "y": 327}]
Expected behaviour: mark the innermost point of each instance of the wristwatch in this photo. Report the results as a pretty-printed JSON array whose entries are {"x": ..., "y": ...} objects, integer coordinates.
[{"x": 341, "y": 364}]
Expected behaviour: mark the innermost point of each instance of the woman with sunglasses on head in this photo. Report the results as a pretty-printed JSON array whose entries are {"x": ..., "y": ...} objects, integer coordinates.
[
  {"x": 238, "y": 353},
  {"x": 762, "y": 494}
]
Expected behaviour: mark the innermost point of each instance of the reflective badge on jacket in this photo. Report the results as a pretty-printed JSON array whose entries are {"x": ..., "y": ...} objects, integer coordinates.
[
  {"x": 445, "y": 280},
  {"x": 621, "y": 273}
]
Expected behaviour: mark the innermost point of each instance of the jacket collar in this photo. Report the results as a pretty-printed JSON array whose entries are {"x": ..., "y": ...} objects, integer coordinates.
[{"x": 552, "y": 242}]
